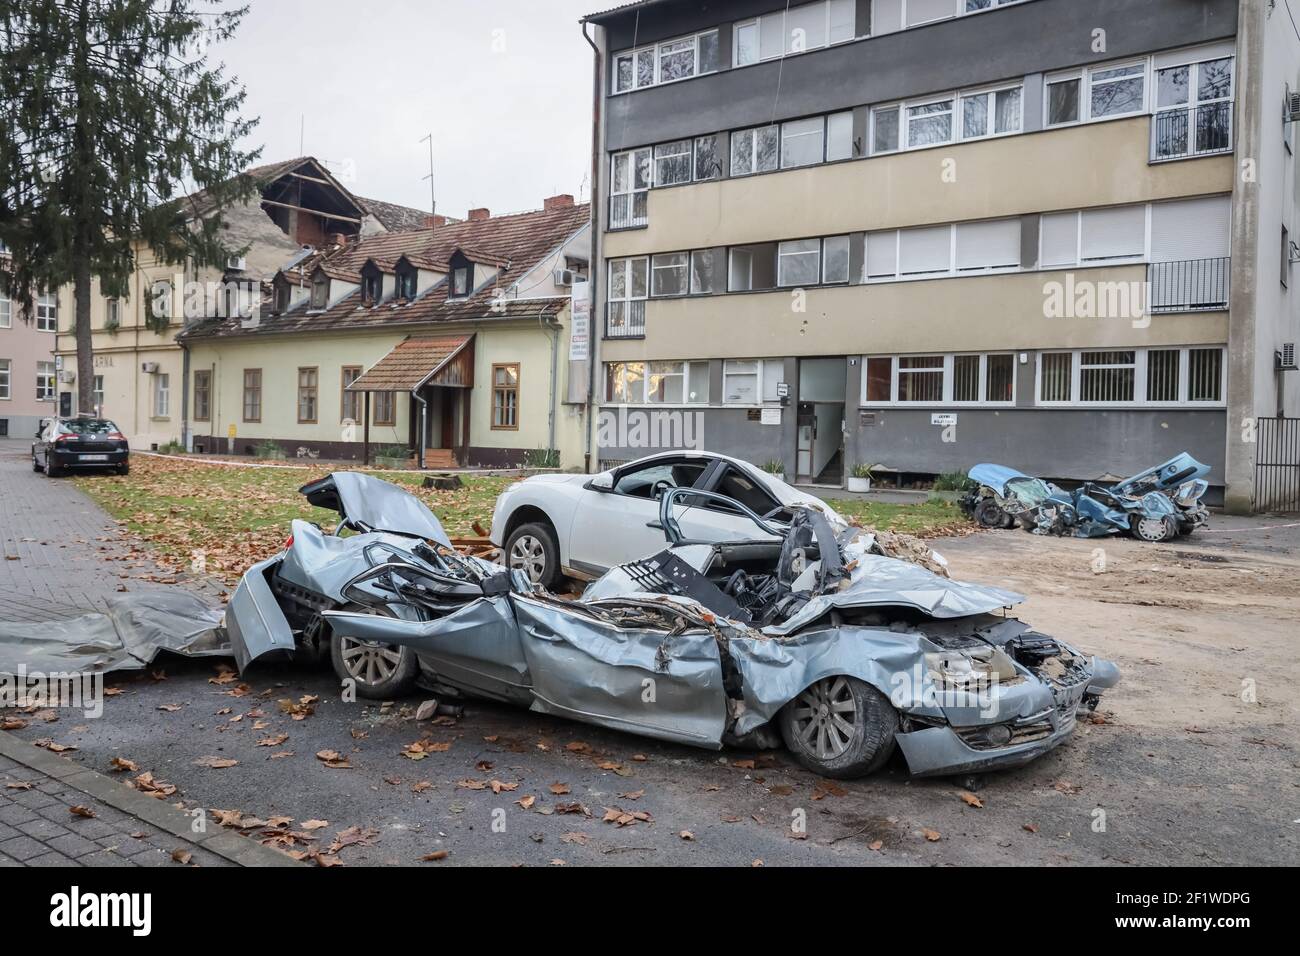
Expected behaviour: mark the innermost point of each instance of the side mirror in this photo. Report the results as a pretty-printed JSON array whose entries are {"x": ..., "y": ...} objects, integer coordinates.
[{"x": 603, "y": 481}]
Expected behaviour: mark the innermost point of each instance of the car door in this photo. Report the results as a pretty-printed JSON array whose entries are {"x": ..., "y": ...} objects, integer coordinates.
[
  {"x": 714, "y": 521},
  {"x": 612, "y": 527}
]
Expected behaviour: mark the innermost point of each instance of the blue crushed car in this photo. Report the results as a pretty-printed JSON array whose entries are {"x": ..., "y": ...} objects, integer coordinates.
[{"x": 1157, "y": 504}]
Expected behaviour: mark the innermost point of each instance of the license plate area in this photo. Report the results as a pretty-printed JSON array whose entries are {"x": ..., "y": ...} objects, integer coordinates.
[{"x": 92, "y": 458}]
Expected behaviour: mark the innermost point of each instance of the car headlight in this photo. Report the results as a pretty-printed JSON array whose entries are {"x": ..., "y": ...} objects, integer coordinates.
[{"x": 963, "y": 670}]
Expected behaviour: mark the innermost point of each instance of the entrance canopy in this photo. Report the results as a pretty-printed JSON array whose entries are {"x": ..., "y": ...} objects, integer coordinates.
[{"x": 420, "y": 361}]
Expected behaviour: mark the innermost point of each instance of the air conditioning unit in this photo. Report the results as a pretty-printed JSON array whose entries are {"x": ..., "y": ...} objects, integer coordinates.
[
  {"x": 564, "y": 277},
  {"x": 149, "y": 368},
  {"x": 236, "y": 264},
  {"x": 1286, "y": 358},
  {"x": 1293, "y": 107}
]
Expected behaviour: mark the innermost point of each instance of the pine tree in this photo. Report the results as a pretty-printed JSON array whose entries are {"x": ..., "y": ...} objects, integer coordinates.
[{"x": 109, "y": 115}]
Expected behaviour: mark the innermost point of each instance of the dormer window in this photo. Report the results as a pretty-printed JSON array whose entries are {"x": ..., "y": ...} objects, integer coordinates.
[
  {"x": 282, "y": 295},
  {"x": 460, "y": 282},
  {"x": 320, "y": 291},
  {"x": 406, "y": 282},
  {"x": 372, "y": 286}
]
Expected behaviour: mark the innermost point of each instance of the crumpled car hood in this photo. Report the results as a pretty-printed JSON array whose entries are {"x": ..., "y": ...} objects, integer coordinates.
[{"x": 376, "y": 504}]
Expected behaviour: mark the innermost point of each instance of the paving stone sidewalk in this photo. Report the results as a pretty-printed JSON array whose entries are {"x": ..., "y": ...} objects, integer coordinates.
[{"x": 61, "y": 556}]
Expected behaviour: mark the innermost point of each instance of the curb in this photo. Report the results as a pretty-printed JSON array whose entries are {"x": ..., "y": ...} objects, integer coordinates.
[{"x": 237, "y": 849}]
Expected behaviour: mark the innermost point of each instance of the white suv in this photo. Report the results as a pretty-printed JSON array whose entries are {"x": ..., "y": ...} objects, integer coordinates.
[{"x": 583, "y": 525}]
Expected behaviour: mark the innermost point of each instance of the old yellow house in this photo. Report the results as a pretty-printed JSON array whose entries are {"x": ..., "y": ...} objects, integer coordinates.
[{"x": 449, "y": 345}]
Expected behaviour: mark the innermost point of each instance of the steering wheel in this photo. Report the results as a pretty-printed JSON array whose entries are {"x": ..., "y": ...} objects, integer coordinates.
[{"x": 659, "y": 487}]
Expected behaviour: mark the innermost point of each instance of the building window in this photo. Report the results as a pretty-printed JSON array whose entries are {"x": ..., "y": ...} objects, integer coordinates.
[
  {"x": 625, "y": 383},
  {"x": 372, "y": 287},
  {"x": 350, "y": 408},
  {"x": 1164, "y": 376},
  {"x": 991, "y": 113},
  {"x": 798, "y": 262},
  {"x": 47, "y": 312},
  {"x": 1093, "y": 236},
  {"x": 45, "y": 381},
  {"x": 203, "y": 395},
  {"x": 835, "y": 259},
  {"x": 1286, "y": 256},
  {"x": 505, "y": 396},
  {"x": 939, "y": 379},
  {"x": 6, "y": 313},
  {"x": 1193, "y": 108},
  {"x": 630, "y": 178},
  {"x": 162, "y": 395},
  {"x": 933, "y": 251},
  {"x": 112, "y": 314},
  {"x": 406, "y": 283},
  {"x": 703, "y": 272},
  {"x": 929, "y": 124},
  {"x": 5, "y": 379},
  {"x": 252, "y": 394},
  {"x": 803, "y": 142},
  {"x": 668, "y": 274},
  {"x": 657, "y": 383},
  {"x": 1103, "y": 92},
  {"x": 810, "y": 26},
  {"x": 666, "y": 62},
  {"x": 385, "y": 408},
  {"x": 628, "y": 289},
  {"x": 97, "y": 394},
  {"x": 307, "y": 395},
  {"x": 885, "y": 131},
  {"x": 460, "y": 282},
  {"x": 160, "y": 300},
  {"x": 673, "y": 163},
  {"x": 283, "y": 296},
  {"x": 320, "y": 292},
  {"x": 755, "y": 150},
  {"x": 708, "y": 161},
  {"x": 751, "y": 268}
]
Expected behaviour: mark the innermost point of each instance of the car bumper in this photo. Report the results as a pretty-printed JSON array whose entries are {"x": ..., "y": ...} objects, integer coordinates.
[
  {"x": 937, "y": 751},
  {"x": 89, "y": 459}
]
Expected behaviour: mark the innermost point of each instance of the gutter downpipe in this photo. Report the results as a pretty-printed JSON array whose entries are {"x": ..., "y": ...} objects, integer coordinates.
[
  {"x": 424, "y": 416},
  {"x": 597, "y": 88}
]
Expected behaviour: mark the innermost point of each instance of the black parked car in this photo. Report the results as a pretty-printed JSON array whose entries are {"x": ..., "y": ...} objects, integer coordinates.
[{"x": 75, "y": 443}]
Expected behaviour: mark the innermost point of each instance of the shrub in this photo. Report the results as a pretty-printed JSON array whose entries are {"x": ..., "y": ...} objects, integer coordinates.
[
  {"x": 268, "y": 449},
  {"x": 774, "y": 467},
  {"x": 953, "y": 481},
  {"x": 542, "y": 458}
]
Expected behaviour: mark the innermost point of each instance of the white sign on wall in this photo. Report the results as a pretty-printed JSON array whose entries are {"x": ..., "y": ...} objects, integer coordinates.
[{"x": 580, "y": 332}]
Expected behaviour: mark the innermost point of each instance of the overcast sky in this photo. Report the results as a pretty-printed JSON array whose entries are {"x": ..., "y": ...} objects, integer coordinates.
[{"x": 504, "y": 86}]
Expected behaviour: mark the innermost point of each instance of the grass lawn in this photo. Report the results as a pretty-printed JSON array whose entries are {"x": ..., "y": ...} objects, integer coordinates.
[
  {"x": 927, "y": 520},
  {"x": 232, "y": 517}
]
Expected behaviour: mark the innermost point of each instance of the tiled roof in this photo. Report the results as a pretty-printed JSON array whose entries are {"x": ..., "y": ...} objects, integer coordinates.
[
  {"x": 409, "y": 364},
  {"x": 518, "y": 242},
  {"x": 621, "y": 8},
  {"x": 396, "y": 218}
]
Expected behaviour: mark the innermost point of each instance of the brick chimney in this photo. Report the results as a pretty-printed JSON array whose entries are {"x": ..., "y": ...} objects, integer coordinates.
[
  {"x": 435, "y": 222},
  {"x": 478, "y": 215},
  {"x": 562, "y": 201}
]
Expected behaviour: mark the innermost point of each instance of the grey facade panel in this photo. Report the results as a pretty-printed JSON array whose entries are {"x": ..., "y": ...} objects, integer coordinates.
[
  {"x": 1038, "y": 36},
  {"x": 1051, "y": 443}
]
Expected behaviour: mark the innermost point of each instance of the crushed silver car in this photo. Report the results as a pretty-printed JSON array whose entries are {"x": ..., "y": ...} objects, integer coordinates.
[{"x": 805, "y": 635}]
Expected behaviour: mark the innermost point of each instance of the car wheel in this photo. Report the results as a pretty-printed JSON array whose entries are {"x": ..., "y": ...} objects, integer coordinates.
[
  {"x": 989, "y": 515},
  {"x": 51, "y": 469},
  {"x": 532, "y": 548},
  {"x": 380, "y": 671},
  {"x": 124, "y": 468},
  {"x": 36, "y": 463},
  {"x": 840, "y": 727},
  {"x": 1154, "y": 530}
]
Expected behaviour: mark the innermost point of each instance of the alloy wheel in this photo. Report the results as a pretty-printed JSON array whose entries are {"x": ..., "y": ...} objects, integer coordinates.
[
  {"x": 368, "y": 662},
  {"x": 529, "y": 555},
  {"x": 825, "y": 717}
]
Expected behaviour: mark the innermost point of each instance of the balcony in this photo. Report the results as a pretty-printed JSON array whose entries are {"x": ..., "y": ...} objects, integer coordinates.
[
  {"x": 1189, "y": 285},
  {"x": 1190, "y": 131},
  {"x": 625, "y": 320},
  {"x": 628, "y": 210}
]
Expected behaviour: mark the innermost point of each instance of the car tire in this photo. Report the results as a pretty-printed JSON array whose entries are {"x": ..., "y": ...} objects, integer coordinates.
[
  {"x": 1154, "y": 530},
  {"x": 51, "y": 469},
  {"x": 380, "y": 671},
  {"x": 811, "y": 726},
  {"x": 124, "y": 468},
  {"x": 532, "y": 548},
  {"x": 36, "y": 463},
  {"x": 989, "y": 515}
]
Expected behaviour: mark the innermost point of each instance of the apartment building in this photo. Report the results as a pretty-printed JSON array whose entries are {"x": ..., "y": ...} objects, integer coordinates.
[
  {"x": 451, "y": 345},
  {"x": 27, "y": 373},
  {"x": 923, "y": 234},
  {"x": 298, "y": 209}
]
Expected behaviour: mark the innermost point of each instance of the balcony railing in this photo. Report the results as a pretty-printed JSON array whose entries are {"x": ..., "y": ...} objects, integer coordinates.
[
  {"x": 627, "y": 210},
  {"x": 1191, "y": 131},
  {"x": 625, "y": 320},
  {"x": 1190, "y": 285}
]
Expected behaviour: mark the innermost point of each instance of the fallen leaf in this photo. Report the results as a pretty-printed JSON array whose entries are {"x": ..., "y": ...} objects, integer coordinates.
[
  {"x": 633, "y": 795},
  {"x": 79, "y": 811},
  {"x": 216, "y": 763},
  {"x": 499, "y": 786},
  {"x": 170, "y": 708},
  {"x": 971, "y": 800},
  {"x": 181, "y": 856},
  {"x": 19, "y": 785},
  {"x": 574, "y": 837},
  {"x": 527, "y": 802},
  {"x": 121, "y": 763},
  {"x": 687, "y": 835},
  {"x": 435, "y": 856},
  {"x": 559, "y": 789},
  {"x": 875, "y": 845},
  {"x": 934, "y": 836},
  {"x": 274, "y": 740},
  {"x": 1030, "y": 827},
  {"x": 422, "y": 786}
]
